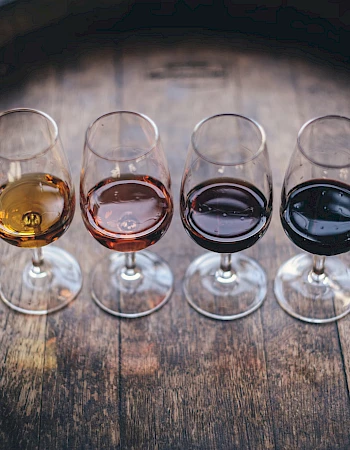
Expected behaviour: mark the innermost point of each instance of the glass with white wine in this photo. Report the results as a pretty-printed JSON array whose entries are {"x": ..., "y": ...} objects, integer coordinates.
[{"x": 37, "y": 205}]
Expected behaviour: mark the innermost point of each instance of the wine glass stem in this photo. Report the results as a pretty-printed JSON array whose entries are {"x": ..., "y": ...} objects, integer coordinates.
[
  {"x": 225, "y": 262},
  {"x": 37, "y": 262},
  {"x": 225, "y": 274},
  {"x": 130, "y": 272},
  {"x": 317, "y": 274},
  {"x": 130, "y": 261},
  {"x": 37, "y": 257}
]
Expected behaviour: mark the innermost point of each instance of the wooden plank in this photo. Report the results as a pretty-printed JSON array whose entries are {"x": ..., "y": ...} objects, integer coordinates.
[
  {"x": 187, "y": 381},
  {"x": 328, "y": 91},
  {"x": 303, "y": 360},
  {"x": 81, "y": 372},
  {"x": 22, "y": 338}
]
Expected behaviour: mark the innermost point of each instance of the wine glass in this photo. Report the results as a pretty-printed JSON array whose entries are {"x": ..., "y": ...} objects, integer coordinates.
[
  {"x": 315, "y": 215},
  {"x": 126, "y": 205},
  {"x": 37, "y": 204},
  {"x": 226, "y": 205}
]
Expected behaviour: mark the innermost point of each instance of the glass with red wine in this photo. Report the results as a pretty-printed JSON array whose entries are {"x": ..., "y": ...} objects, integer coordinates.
[
  {"x": 226, "y": 206},
  {"x": 37, "y": 205},
  {"x": 315, "y": 215},
  {"x": 126, "y": 205}
]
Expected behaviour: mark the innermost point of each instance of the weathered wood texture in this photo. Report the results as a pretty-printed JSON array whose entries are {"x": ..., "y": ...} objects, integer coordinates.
[{"x": 81, "y": 379}]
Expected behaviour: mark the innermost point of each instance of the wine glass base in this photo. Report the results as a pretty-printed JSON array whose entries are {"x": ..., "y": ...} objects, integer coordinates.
[
  {"x": 58, "y": 283},
  {"x": 315, "y": 301},
  {"x": 225, "y": 299},
  {"x": 132, "y": 296}
]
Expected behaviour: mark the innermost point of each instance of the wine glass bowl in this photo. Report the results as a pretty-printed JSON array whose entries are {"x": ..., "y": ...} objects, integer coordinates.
[
  {"x": 226, "y": 205},
  {"x": 315, "y": 215},
  {"x": 126, "y": 205},
  {"x": 37, "y": 205}
]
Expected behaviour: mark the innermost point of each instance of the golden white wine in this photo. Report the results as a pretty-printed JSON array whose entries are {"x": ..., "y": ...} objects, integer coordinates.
[{"x": 35, "y": 210}]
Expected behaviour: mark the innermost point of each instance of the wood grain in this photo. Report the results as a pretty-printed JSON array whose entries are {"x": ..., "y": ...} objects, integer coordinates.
[
  {"x": 22, "y": 337},
  {"x": 80, "y": 406},
  {"x": 302, "y": 359},
  {"x": 327, "y": 91},
  {"x": 200, "y": 368},
  {"x": 82, "y": 379}
]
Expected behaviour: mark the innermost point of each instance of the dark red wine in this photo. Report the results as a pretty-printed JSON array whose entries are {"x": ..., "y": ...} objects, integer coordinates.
[
  {"x": 127, "y": 214},
  {"x": 316, "y": 217},
  {"x": 225, "y": 215}
]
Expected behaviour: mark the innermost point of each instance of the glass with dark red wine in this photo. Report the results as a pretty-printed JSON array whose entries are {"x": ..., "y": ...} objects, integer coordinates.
[
  {"x": 127, "y": 206},
  {"x": 226, "y": 205},
  {"x": 315, "y": 214}
]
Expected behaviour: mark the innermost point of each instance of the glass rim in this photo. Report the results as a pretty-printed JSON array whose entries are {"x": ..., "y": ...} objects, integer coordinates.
[
  {"x": 112, "y": 113},
  {"x": 40, "y": 113},
  {"x": 303, "y": 128},
  {"x": 260, "y": 149}
]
